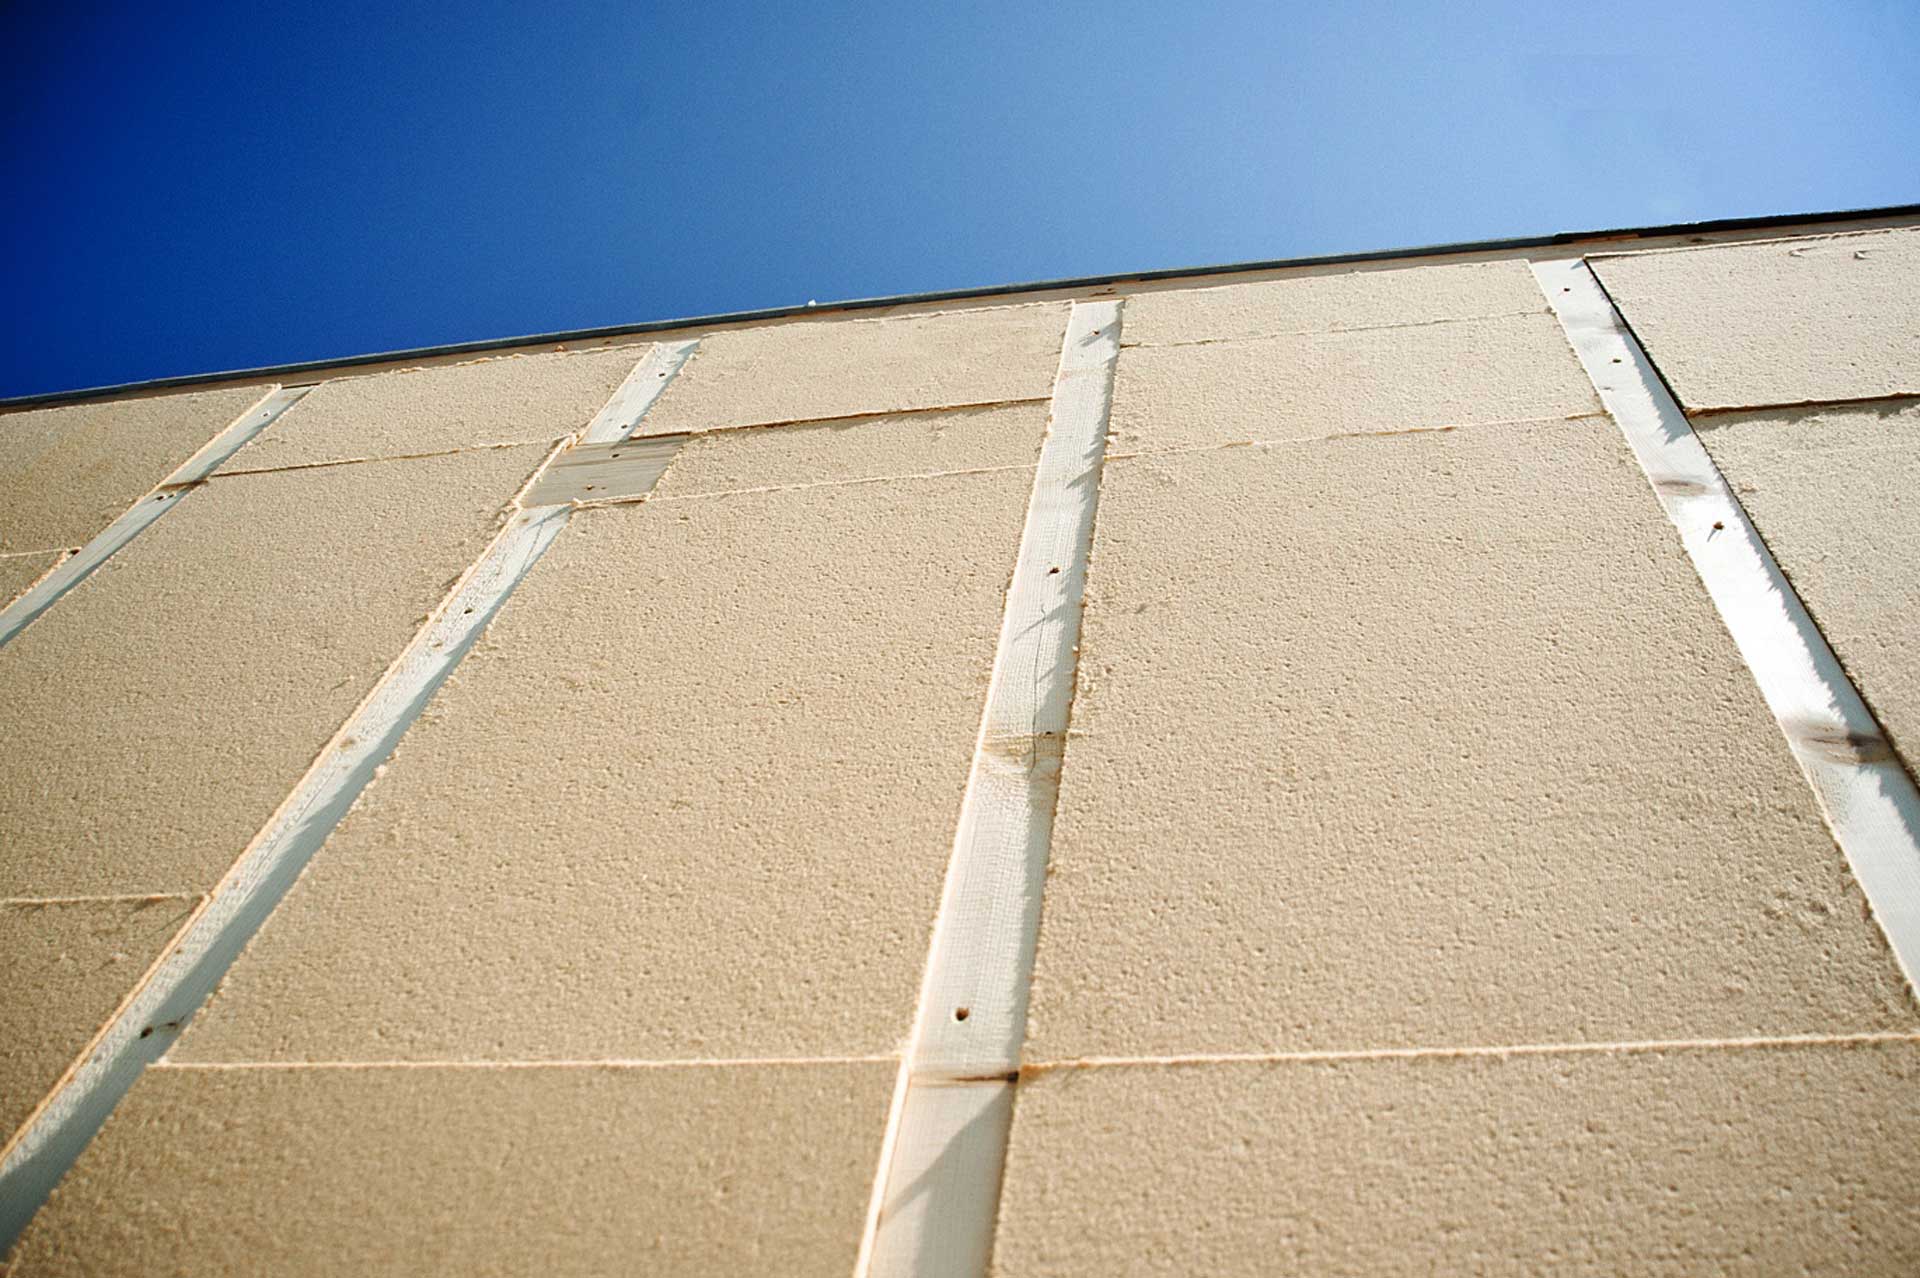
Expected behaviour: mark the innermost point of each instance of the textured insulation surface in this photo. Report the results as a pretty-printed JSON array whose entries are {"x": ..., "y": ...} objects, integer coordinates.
[
  {"x": 1797, "y": 1160},
  {"x": 1408, "y": 755},
  {"x": 19, "y": 572},
  {"x": 1372, "y": 380},
  {"x": 1782, "y": 322},
  {"x": 281, "y": 1173},
  {"x": 713, "y": 822},
  {"x": 66, "y": 473},
  {"x": 1379, "y": 298},
  {"x": 845, "y": 367},
  {"x": 68, "y": 964},
  {"x": 1836, "y": 495},
  {"x": 244, "y": 627},
  {"x": 1427, "y": 740},
  {"x": 511, "y": 399}
]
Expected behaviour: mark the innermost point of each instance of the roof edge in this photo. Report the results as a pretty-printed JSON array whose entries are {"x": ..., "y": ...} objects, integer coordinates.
[{"x": 273, "y": 371}]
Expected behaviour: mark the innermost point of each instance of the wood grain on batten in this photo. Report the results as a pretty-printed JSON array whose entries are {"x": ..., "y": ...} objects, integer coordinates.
[{"x": 625, "y": 470}]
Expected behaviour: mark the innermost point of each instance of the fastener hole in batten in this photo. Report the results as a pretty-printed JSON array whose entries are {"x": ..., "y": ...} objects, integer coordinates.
[{"x": 962, "y": 1013}]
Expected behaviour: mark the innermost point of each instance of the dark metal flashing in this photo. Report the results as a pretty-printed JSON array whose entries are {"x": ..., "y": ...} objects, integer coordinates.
[{"x": 297, "y": 370}]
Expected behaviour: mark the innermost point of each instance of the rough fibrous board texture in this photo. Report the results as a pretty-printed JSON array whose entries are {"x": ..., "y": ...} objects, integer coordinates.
[
  {"x": 68, "y": 964},
  {"x": 692, "y": 796},
  {"x": 1798, "y": 1160},
  {"x": 66, "y": 473},
  {"x": 163, "y": 709},
  {"x": 513, "y": 399},
  {"x": 845, "y": 367},
  {"x": 865, "y": 448},
  {"x": 1317, "y": 384},
  {"x": 1408, "y": 729},
  {"x": 1376, "y": 298},
  {"x": 19, "y": 572},
  {"x": 1428, "y": 740},
  {"x": 1783, "y": 322},
  {"x": 745, "y": 1170},
  {"x": 1836, "y": 495}
]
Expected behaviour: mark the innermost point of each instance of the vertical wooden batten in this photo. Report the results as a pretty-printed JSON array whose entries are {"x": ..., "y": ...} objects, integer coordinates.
[{"x": 938, "y": 1186}]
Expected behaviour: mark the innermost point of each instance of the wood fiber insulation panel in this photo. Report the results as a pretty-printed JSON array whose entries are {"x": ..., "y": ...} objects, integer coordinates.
[
  {"x": 1312, "y": 385},
  {"x": 68, "y": 964},
  {"x": 1775, "y": 1160},
  {"x": 1798, "y": 321},
  {"x": 1836, "y": 495},
  {"x": 1338, "y": 298},
  {"x": 692, "y": 795},
  {"x": 588, "y": 1170},
  {"x": 1427, "y": 740},
  {"x": 66, "y": 473},
  {"x": 163, "y": 710},
  {"x": 512, "y": 399},
  {"x": 861, "y": 449},
  {"x": 808, "y": 370},
  {"x": 19, "y": 572}
]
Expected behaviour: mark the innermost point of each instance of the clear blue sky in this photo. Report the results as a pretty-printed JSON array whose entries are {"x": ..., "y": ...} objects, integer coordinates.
[{"x": 197, "y": 187}]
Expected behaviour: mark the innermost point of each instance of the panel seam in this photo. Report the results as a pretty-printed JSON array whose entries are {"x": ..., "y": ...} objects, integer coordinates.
[
  {"x": 1499, "y": 1051},
  {"x": 104, "y": 898},
  {"x": 1712, "y": 412},
  {"x": 1330, "y": 332},
  {"x": 865, "y": 415},
  {"x": 611, "y": 1062},
  {"x": 824, "y": 483},
  {"x": 1182, "y": 450},
  {"x": 331, "y": 462}
]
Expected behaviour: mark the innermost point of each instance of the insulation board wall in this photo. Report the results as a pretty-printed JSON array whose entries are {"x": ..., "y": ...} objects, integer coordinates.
[{"x": 1431, "y": 886}]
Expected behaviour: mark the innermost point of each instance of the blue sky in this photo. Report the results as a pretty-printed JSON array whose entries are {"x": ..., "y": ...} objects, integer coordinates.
[{"x": 191, "y": 188}]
